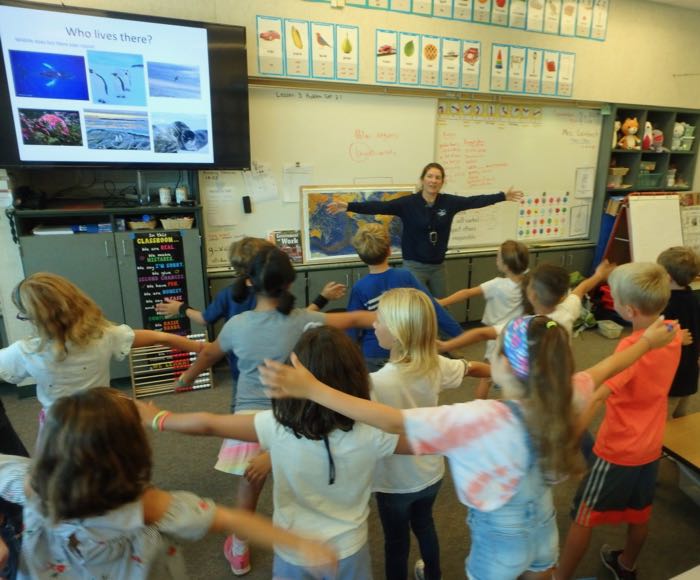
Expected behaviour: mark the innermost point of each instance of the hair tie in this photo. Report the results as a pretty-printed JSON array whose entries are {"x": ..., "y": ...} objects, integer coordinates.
[{"x": 551, "y": 324}]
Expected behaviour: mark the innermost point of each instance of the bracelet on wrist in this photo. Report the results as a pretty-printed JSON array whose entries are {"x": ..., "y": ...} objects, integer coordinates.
[
  {"x": 183, "y": 309},
  {"x": 156, "y": 423},
  {"x": 321, "y": 301},
  {"x": 182, "y": 382}
]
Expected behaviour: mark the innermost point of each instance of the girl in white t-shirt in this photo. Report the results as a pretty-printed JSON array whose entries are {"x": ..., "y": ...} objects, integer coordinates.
[
  {"x": 504, "y": 295},
  {"x": 502, "y": 454},
  {"x": 406, "y": 486},
  {"x": 322, "y": 462},
  {"x": 73, "y": 343},
  {"x": 91, "y": 511}
]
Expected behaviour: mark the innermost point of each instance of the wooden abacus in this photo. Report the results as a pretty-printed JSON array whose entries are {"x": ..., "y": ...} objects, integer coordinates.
[{"x": 155, "y": 369}]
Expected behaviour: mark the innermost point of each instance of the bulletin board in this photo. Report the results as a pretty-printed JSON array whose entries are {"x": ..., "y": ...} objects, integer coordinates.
[{"x": 549, "y": 152}]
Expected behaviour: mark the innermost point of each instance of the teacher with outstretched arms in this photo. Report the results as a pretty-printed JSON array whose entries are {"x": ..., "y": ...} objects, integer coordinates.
[{"x": 427, "y": 218}]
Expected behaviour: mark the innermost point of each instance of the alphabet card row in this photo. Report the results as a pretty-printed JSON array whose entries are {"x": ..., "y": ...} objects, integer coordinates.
[
  {"x": 534, "y": 71},
  {"x": 303, "y": 49}
]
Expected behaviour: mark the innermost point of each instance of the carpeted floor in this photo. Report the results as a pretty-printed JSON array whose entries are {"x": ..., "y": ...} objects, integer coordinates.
[{"x": 184, "y": 462}]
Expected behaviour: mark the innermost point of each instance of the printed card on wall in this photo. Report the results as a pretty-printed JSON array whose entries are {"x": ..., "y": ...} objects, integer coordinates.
[
  {"x": 451, "y": 58},
  {"x": 462, "y": 10},
  {"x": 385, "y": 54},
  {"x": 296, "y": 47},
  {"x": 567, "y": 27},
  {"x": 550, "y": 72},
  {"x": 442, "y": 8},
  {"x": 322, "y": 40},
  {"x": 518, "y": 10},
  {"x": 400, "y": 5},
  {"x": 409, "y": 58},
  {"x": 471, "y": 64},
  {"x": 599, "y": 27},
  {"x": 430, "y": 61},
  {"x": 533, "y": 71},
  {"x": 552, "y": 15},
  {"x": 565, "y": 84},
  {"x": 535, "y": 15},
  {"x": 516, "y": 69},
  {"x": 380, "y": 4},
  {"x": 544, "y": 216},
  {"x": 584, "y": 16},
  {"x": 499, "y": 61},
  {"x": 270, "y": 52},
  {"x": 347, "y": 50},
  {"x": 423, "y": 7},
  {"x": 482, "y": 11},
  {"x": 160, "y": 273},
  {"x": 499, "y": 12}
]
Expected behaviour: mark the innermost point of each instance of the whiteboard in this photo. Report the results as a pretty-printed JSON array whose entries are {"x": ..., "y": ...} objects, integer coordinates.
[
  {"x": 654, "y": 224},
  {"x": 549, "y": 152}
]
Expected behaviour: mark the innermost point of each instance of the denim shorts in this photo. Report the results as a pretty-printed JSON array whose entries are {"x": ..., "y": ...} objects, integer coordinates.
[{"x": 357, "y": 565}]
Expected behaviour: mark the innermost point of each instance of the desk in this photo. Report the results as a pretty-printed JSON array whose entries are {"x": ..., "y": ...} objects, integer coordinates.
[{"x": 682, "y": 440}]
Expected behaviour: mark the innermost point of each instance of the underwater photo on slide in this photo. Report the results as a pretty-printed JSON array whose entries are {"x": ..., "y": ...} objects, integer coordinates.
[
  {"x": 173, "y": 80},
  {"x": 175, "y": 132},
  {"x": 47, "y": 75},
  {"x": 50, "y": 127},
  {"x": 116, "y": 78},
  {"x": 126, "y": 130}
]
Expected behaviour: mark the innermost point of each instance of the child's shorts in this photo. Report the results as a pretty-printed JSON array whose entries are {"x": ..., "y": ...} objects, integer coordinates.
[
  {"x": 235, "y": 455},
  {"x": 356, "y": 565},
  {"x": 614, "y": 494}
]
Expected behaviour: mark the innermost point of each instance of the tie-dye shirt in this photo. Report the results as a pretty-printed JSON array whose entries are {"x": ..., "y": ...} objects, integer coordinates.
[{"x": 484, "y": 444}]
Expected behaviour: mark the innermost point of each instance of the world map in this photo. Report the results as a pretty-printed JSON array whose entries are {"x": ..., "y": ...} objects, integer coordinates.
[{"x": 330, "y": 236}]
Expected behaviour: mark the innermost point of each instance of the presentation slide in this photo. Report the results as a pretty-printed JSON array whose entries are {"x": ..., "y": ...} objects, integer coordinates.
[{"x": 92, "y": 89}]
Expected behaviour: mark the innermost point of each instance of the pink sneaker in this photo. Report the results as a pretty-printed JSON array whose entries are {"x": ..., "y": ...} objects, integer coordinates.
[{"x": 238, "y": 555}]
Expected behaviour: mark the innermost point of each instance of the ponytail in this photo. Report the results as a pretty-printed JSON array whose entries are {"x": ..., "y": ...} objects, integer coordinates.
[
  {"x": 285, "y": 302},
  {"x": 528, "y": 308},
  {"x": 551, "y": 416},
  {"x": 271, "y": 274},
  {"x": 240, "y": 290}
]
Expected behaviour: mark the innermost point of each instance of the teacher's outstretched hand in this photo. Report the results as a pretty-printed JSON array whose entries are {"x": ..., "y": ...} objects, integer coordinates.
[
  {"x": 335, "y": 207},
  {"x": 514, "y": 195}
]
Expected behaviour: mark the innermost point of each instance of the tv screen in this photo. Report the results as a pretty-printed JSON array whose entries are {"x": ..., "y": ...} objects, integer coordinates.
[{"x": 88, "y": 88}]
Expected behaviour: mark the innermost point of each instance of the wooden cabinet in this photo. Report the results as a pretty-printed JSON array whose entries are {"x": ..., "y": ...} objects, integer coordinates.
[{"x": 574, "y": 260}]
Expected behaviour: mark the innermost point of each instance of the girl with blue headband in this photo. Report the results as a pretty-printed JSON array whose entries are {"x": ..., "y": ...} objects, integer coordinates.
[{"x": 504, "y": 455}]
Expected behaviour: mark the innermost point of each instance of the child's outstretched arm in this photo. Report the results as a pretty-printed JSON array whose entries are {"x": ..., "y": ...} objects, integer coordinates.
[
  {"x": 210, "y": 354},
  {"x": 331, "y": 291},
  {"x": 354, "y": 319},
  {"x": 599, "y": 276},
  {"x": 657, "y": 335},
  {"x": 231, "y": 426},
  {"x": 151, "y": 337},
  {"x": 171, "y": 308},
  {"x": 466, "y": 338},
  {"x": 296, "y": 381},
  {"x": 460, "y": 296}
]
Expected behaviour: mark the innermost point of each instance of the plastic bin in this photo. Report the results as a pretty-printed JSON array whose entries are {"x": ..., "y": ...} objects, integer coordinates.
[
  {"x": 609, "y": 328},
  {"x": 647, "y": 180}
]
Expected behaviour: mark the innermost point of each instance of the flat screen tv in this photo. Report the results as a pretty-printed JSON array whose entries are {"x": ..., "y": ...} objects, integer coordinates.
[{"x": 90, "y": 88}]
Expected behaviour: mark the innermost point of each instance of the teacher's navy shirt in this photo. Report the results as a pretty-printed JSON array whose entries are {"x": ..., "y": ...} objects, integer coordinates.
[{"x": 419, "y": 219}]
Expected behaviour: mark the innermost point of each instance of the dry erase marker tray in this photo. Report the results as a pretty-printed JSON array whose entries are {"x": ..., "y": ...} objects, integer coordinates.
[{"x": 155, "y": 369}]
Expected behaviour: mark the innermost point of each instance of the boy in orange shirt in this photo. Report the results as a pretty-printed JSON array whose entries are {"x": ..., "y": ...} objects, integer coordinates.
[{"x": 620, "y": 486}]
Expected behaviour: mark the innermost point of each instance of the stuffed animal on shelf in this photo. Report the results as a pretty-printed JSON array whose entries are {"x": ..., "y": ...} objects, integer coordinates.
[
  {"x": 678, "y": 131},
  {"x": 630, "y": 128},
  {"x": 648, "y": 137},
  {"x": 616, "y": 133},
  {"x": 657, "y": 140}
]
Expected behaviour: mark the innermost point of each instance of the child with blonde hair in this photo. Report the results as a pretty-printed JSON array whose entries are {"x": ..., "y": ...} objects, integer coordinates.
[
  {"x": 503, "y": 455},
  {"x": 504, "y": 295},
  {"x": 91, "y": 511},
  {"x": 406, "y": 486},
  {"x": 322, "y": 461},
  {"x": 73, "y": 343},
  {"x": 373, "y": 245},
  {"x": 683, "y": 264},
  {"x": 270, "y": 330}
]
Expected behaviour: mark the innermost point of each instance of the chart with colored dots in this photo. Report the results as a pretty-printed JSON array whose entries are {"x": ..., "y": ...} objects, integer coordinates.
[{"x": 544, "y": 216}]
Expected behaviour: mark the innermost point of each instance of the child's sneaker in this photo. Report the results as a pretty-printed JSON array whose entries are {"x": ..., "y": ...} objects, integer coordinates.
[
  {"x": 419, "y": 570},
  {"x": 238, "y": 555},
  {"x": 611, "y": 562}
]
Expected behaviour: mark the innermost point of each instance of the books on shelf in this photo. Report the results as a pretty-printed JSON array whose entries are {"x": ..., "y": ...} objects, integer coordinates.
[{"x": 289, "y": 241}]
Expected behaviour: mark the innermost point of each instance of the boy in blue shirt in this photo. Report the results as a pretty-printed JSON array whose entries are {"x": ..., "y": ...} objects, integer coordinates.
[{"x": 373, "y": 245}]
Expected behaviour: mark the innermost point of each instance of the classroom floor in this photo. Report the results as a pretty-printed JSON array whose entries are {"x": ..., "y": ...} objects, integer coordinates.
[{"x": 183, "y": 462}]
